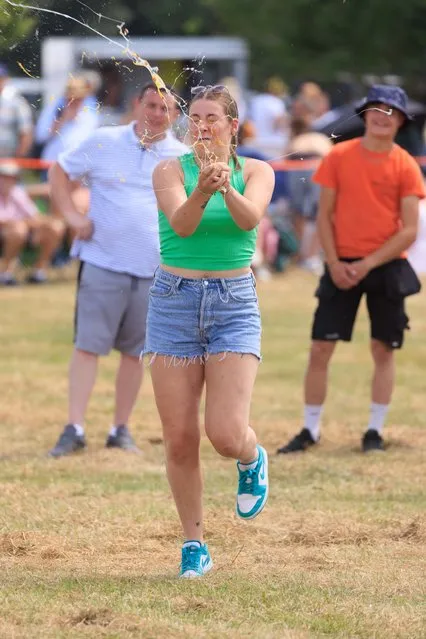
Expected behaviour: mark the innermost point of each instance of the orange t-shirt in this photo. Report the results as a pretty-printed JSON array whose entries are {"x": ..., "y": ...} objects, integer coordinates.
[{"x": 369, "y": 188}]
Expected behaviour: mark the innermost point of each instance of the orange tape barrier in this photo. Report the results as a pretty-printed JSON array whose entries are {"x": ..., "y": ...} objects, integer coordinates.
[
  {"x": 277, "y": 165},
  {"x": 295, "y": 165},
  {"x": 28, "y": 163}
]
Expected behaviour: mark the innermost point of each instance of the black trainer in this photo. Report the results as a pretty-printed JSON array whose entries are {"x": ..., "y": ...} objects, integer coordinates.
[
  {"x": 37, "y": 278},
  {"x": 69, "y": 442},
  {"x": 300, "y": 442},
  {"x": 122, "y": 439},
  {"x": 372, "y": 440}
]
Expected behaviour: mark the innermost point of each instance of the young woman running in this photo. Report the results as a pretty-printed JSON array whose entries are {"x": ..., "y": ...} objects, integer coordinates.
[{"x": 204, "y": 324}]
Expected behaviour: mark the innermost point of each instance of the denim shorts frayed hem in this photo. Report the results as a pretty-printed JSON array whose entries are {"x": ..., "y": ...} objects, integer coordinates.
[
  {"x": 187, "y": 360},
  {"x": 191, "y": 319}
]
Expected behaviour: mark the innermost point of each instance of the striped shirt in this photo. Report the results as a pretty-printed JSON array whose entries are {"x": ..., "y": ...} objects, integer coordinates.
[
  {"x": 15, "y": 119},
  {"x": 123, "y": 206}
]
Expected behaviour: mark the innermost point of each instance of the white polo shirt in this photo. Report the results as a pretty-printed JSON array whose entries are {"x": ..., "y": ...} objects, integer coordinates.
[{"x": 123, "y": 206}]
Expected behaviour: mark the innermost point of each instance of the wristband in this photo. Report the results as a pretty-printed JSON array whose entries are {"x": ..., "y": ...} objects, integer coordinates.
[{"x": 202, "y": 192}]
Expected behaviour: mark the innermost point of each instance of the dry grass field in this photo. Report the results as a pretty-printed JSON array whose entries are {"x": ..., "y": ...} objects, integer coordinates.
[{"x": 89, "y": 545}]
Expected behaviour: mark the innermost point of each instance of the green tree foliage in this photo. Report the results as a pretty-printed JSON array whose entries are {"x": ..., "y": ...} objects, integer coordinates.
[
  {"x": 183, "y": 17},
  {"x": 301, "y": 38},
  {"x": 318, "y": 38},
  {"x": 294, "y": 38},
  {"x": 15, "y": 25}
]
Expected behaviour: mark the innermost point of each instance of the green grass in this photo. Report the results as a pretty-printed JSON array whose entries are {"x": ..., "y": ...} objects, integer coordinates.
[{"x": 89, "y": 545}]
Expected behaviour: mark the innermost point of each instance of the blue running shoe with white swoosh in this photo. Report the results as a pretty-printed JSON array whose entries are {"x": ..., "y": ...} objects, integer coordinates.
[
  {"x": 196, "y": 560},
  {"x": 253, "y": 486}
]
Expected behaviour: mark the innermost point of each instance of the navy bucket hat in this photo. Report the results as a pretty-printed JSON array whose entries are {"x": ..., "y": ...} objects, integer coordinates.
[{"x": 394, "y": 97}]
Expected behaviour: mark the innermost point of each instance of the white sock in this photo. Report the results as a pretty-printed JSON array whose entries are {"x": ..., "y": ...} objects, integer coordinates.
[
  {"x": 79, "y": 430},
  {"x": 192, "y": 542},
  {"x": 312, "y": 419},
  {"x": 113, "y": 431},
  {"x": 377, "y": 416},
  {"x": 249, "y": 466}
]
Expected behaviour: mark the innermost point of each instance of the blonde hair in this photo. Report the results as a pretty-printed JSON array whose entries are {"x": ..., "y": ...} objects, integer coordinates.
[
  {"x": 276, "y": 86},
  {"x": 220, "y": 93},
  {"x": 76, "y": 88}
]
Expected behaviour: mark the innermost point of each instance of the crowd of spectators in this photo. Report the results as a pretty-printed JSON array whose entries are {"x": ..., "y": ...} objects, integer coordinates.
[{"x": 274, "y": 125}]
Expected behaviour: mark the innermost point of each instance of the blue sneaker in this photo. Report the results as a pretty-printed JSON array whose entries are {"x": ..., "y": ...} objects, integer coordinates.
[
  {"x": 196, "y": 560},
  {"x": 253, "y": 486}
]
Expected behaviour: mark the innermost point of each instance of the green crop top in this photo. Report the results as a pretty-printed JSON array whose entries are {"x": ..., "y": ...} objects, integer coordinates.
[{"x": 218, "y": 243}]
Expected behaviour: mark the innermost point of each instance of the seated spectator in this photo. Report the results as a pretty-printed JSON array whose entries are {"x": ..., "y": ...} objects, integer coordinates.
[
  {"x": 80, "y": 196},
  {"x": 20, "y": 225}
]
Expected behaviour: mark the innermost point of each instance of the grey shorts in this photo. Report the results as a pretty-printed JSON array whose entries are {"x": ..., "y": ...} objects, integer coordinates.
[{"x": 110, "y": 311}]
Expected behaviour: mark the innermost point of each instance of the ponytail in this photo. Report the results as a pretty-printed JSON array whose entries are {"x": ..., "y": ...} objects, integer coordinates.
[{"x": 234, "y": 156}]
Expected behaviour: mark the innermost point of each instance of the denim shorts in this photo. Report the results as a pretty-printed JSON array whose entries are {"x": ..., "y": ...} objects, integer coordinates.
[{"x": 190, "y": 318}]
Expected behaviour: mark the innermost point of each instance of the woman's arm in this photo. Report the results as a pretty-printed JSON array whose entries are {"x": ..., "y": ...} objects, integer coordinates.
[{"x": 248, "y": 209}]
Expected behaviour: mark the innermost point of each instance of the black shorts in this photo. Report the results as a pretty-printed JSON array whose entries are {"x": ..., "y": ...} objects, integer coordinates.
[{"x": 385, "y": 287}]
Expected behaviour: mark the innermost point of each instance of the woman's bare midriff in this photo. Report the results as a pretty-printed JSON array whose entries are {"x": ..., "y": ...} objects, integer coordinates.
[{"x": 195, "y": 274}]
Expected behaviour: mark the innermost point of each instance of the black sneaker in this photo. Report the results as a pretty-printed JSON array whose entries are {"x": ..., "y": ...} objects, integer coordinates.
[
  {"x": 69, "y": 442},
  {"x": 38, "y": 277},
  {"x": 300, "y": 442},
  {"x": 122, "y": 439},
  {"x": 372, "y": 440}
]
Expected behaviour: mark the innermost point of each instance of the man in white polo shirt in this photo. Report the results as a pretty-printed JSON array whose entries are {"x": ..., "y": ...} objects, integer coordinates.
[{"x": 118, "y": 247}]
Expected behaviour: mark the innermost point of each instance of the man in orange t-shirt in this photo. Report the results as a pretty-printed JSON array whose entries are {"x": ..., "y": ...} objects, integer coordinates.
[{"x": 368, "y": 216}]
